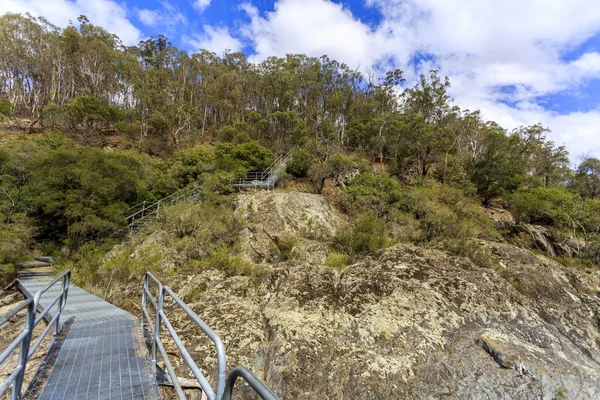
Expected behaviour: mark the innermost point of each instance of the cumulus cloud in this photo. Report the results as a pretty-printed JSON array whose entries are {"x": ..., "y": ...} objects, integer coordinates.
[
  {"x": 313, "y": 27},
  {"x": 111, "y": 15},
  {"x": 215, "y": 39},
  {"x": 502, "y": 56},
  {"x": 200, "y": 5},
  {"x": 168, "y": 17}
]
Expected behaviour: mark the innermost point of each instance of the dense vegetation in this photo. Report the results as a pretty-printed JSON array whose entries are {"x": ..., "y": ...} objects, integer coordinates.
[{"x": 426, "y": 165}]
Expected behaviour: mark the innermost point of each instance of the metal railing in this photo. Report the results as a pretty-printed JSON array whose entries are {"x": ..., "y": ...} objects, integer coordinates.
[
  {"x": 224, "y": 385},
  {"x": 257, "y": 385},
  {"x": 31, "y": 322},
  {"x": 268, "y": 178},
  {"x": 138, "y": 214}
]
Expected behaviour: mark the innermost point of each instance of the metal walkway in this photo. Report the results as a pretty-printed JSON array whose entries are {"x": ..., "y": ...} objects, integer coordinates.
[{"x": 103, "y": 355}]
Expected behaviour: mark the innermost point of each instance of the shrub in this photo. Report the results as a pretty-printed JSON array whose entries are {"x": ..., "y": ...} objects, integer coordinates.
[
  {"x": 444, "y": 212},
  {"x": 6, "y": 108},
  {"x": 89, "y": 112},
  {"x": 223, "y": 260},
  {"x": 542, "y": 205},
  {"x": 480, "y": 255},
  {"x": 186, "y": 166},
  {"x": 337, "y": 260},
  {"x": 378, "y": 193},
  {"x": 299, "y": 164},
  {"x": 286, "y": 246},
  {"x": 366, "y": 236}
]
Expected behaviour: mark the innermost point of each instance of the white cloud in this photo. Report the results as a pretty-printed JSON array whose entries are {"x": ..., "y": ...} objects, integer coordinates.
[
  {"x": 313, "y": 27},
  {"x": 494, "y": 51},
  {"x": 214, "y": 39},
  {"x": 109, "y": 14},
  {"x": 200, "y": 5},
  {"x": 169, "y": 17},
  {"x": 149, "y": 17}
]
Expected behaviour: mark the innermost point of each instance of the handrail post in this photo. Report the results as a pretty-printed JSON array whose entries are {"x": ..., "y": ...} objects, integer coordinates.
[
  {"x": 161, "y": 299},
  {"x": 24, "y": 351},
  {"x": 144, "y": 288},
  {"x": 62, "y": 302}
]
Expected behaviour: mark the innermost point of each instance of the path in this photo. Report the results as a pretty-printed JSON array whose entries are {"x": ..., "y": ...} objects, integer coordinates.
[{"x": 103, "y": 355}]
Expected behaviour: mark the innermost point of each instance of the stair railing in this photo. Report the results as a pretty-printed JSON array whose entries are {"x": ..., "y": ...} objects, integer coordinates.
[
  {"x": 224, "y": 385},
  {"x": 23, "y": 341},
  {"x": 144, "y": 211}
]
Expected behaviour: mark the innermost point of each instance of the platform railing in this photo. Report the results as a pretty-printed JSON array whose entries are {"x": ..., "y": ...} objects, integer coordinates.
[
  {"x": 224, "y": 385},
  {"x": 23, "y": 341}
]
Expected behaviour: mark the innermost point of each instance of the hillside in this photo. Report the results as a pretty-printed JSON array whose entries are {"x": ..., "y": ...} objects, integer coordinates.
[{"x": 406, "y": 322}]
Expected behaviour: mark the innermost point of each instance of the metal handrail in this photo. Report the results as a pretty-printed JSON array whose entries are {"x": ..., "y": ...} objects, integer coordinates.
[
  {"x": 252, "y": 380},
  {"x": 152, "y": 209},
  {"x": 224, "y": 386},
  {"x": 31, "y": 322},
  {"x": 162, "y": 319}
]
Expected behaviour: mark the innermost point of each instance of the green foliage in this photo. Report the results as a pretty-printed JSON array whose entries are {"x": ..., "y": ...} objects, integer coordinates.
[
  {"x": 6, "y": 108},
  {"x": 333, "y": 166},
  {"x": 72, "y": 193},
  {"x": 444, "y": 212},
  {"x": 500, "y": 170},
  {"x": 337, "y": 260},
  {"x": 378, "y": 193},
  {"x": 222, "y": 259},
  {"x": 587, "y": 178},
  {"x": 244, "y": 157},
  {"x": 15, "y": 241},
  {"x": 475, "y": 251},
  {"x": 187, "y": 166},
  {"x": 88, "y": 112},
  {"x": 300, "y": 164},
  {"x": 367, "y": 235},
  {"x": 543, "y": 205},
  {"x": 286, "y": 246}
]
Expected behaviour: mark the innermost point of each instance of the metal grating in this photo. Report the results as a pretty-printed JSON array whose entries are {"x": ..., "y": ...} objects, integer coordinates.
[{"x": 103, "y": 355}]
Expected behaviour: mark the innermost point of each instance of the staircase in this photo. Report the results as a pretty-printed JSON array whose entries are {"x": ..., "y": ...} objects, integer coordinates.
[
  {"x": 141, "y": 213},
  {"x": 41, "y": 267},
  {"x": 268, "y": 178}
]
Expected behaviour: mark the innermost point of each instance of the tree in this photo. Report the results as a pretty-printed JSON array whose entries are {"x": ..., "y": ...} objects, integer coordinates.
[
  {"x": 370, "y": 193},
  {"x": 587, "y": 178}
]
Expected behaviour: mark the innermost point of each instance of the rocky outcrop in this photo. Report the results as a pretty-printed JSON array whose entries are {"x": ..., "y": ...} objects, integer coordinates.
[
  {"x": 273, "y": 218},
  {"x": 538, "y": 237},
  {"x": 410, "y": 323}
]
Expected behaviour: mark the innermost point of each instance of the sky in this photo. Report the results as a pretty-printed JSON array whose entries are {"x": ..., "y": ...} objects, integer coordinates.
[{"x": 520, "y": 62}]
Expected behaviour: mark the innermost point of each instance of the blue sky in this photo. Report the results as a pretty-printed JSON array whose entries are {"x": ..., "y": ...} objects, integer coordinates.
[{"x": 519, "y": 61}]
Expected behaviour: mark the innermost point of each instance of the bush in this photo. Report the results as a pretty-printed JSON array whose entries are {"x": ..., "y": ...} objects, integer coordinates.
[
  {"x": 187, "y": 166},
  {"x": 378, "y": 193},
  {"x": 89, "y": 112},
  {"x": 473, "y": 250},
  {"x": 337, "y": 260},
  {"x": 286, "y": 246},
  {"x": 248, "y": 156},
  {"x": 543, "y": 206},
  {"x": 444, "y": 212},
  {"x": 299, "y": 164},
  {"x": 366, "y": 236},
  {"x": 6, "y": 108}
]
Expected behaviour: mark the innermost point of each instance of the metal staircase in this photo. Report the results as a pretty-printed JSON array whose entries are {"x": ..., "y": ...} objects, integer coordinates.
[
  {"x": 269, "y": 177},
  {"x": 41, "y": 267},
  {"x": 139, "y": 214}
]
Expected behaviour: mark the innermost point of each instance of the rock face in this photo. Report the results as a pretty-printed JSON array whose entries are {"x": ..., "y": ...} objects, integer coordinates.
[
  {"x": 409, "y": 323},
  {"x": 273, "y": 218}
]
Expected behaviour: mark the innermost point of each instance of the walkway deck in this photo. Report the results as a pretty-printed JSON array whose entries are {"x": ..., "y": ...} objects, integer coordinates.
[{"x": 103, "y": 355}]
